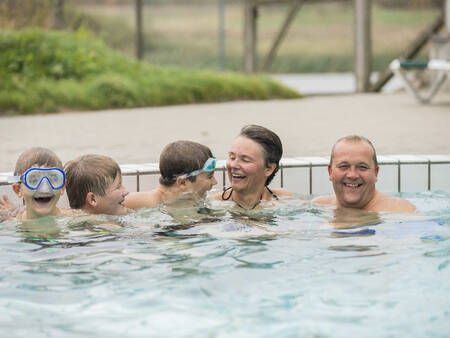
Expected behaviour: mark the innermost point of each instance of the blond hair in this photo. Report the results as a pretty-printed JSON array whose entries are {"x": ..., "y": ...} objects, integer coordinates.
[
  {"x": 89, "y": 173},
  {"x": 36, "y": 157}
]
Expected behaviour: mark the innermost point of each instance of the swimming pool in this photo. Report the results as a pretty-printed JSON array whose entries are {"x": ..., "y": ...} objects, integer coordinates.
[{"x": 295, "y": 271}]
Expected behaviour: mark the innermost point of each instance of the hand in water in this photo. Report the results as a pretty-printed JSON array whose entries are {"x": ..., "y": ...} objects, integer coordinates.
[{"x": 7, "y": 209}]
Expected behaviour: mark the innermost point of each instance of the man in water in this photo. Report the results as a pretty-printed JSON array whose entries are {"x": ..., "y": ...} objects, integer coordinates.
[{"x": 353, "y": 170}]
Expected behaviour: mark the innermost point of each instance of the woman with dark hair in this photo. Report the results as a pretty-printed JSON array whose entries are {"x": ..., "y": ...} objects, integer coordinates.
[{"x": 253, "y": 161}]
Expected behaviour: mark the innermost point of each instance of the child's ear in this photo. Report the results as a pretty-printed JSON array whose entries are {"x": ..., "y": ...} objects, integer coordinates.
[
  {"x": 17, "y": 189},
  {"x": 90, "y": 199},
  {"x": 63, "y": 189},
  {"x": 181, "y": 183}
]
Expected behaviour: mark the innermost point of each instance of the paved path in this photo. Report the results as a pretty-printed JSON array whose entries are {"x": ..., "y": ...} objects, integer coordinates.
[{"x": 396, "y": 124}]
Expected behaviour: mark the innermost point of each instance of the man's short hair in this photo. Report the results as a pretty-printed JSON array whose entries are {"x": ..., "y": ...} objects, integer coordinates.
[
  {"x": 89, "y": 173},
  {"x": 36, "y": 157},
  {"x": 355, "y": 139},
  {"x": 181, "y": 157}
]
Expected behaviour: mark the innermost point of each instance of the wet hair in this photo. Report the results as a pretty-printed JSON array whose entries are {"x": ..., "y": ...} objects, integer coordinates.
[
  {"x": 181, "y": 157},
  {"x": 270, "y": 143},
  {"x": 36, "y": 157},
  {"x": 355, "y": 139},
  {"x": 89, "y": 173}
]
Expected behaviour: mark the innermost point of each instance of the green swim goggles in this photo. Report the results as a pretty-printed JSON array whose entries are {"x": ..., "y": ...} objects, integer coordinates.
[
  {"x": 34, "y": 177},
  {"x": 210, "y": 165}
]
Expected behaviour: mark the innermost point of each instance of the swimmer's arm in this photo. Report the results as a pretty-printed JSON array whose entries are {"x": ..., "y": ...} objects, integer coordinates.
[{"x": 139, "y": 200}]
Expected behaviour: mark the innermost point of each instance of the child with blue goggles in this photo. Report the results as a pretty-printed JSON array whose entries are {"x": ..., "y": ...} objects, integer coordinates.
[
  {"x": 182, "y": 183},
  {"x": 39, "y": 180}
]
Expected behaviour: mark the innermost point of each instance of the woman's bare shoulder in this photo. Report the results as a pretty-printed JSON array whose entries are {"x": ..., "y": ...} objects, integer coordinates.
[
  {"x": 216, "y": 196},
  {"x": 281, "y": 192},
  {"x": 329, "y": 199}
]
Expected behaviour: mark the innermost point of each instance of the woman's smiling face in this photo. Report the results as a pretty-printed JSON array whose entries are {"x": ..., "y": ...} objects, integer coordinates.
[{"x": 246, "y": 166}]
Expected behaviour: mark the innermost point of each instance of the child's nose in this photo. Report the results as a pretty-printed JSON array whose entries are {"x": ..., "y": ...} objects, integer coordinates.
[
  {"x": 44, "y": 186},
  {"x": 125, "y": 192}
]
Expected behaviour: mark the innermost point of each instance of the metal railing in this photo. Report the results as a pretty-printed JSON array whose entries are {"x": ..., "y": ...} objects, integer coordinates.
[{"x": 139, "y": 170}]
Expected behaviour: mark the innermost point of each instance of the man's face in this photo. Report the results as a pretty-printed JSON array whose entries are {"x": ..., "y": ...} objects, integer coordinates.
[
  {"x": 112, "y": 203},
  {"x": 353, "y": 174}
]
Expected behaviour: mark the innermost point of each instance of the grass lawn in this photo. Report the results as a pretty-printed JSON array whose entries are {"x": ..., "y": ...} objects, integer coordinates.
[{"x": 319, "y": 40}]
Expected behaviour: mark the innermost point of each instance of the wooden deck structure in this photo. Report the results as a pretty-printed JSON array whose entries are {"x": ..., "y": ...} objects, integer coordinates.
[
  {"x": 362, "y": 50},
  {"x": 361, "y": 35}
]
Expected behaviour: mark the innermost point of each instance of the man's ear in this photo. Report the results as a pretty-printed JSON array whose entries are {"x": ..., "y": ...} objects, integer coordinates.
[
  {"x": 90, "y": 199},
  {"x": 329, "y": 171},
  {"x": 17, "y": 189},
  {"x": 377, "y": 169}
]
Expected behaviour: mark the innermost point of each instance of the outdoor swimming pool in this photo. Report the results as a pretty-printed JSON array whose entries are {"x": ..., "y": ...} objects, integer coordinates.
[{"x": 295, "y": 271}]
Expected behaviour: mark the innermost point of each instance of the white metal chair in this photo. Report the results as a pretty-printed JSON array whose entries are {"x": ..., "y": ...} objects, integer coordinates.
[{"x": 441, "y": 67}]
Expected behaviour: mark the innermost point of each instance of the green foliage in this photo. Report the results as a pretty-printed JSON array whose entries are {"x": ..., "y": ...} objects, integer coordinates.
[
  {"x": 52, "y": 54},
  {"x": 46, "y": 71}
]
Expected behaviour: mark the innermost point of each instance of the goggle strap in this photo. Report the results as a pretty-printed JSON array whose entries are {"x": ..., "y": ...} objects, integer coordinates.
[{"x": 13, "y": 179}]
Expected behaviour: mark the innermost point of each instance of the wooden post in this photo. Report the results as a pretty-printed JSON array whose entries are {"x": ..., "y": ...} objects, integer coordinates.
[
  {"x": 221, "y": 35},
  {"x": 139, "y": 30},
  {"x": 58, "y": 14},
  {"x": 447, "y": 15},
  {"x": 250, "y": 16},
  {"x": 292, "y": 13},
  {"x": 362, "y": 45}
]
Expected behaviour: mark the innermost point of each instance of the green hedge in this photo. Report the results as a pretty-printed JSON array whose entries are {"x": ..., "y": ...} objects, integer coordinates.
[{"x": 46, "y": 71}]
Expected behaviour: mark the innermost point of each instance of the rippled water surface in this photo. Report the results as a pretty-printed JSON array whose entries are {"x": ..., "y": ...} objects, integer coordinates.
[{"x": 294, "y": 271}]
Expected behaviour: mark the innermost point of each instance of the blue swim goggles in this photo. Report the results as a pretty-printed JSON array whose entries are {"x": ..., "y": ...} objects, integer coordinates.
[
  {"x": 209, "y": 166},
  {"x": 33, "y": 177}
]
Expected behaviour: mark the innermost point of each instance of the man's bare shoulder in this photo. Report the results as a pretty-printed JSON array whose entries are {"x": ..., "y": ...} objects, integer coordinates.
[
  {"x": 386, "y": 203},
  {"x": 330, "y": 199},
  {"x": 143, "y": 199}
]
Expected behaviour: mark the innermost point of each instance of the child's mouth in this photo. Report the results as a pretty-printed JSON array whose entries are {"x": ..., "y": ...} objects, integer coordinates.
[{"x": 43, "y": 200}]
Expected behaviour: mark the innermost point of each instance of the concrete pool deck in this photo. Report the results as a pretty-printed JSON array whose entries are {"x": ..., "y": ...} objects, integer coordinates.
[{"x": 395, "y": 122}]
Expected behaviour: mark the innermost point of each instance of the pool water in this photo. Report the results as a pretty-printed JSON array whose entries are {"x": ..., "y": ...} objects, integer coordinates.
[{"x": 296, "y": 271}]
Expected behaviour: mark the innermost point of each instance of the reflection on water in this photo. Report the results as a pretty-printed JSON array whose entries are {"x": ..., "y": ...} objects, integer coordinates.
[{"x": 297, "y": 270}]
